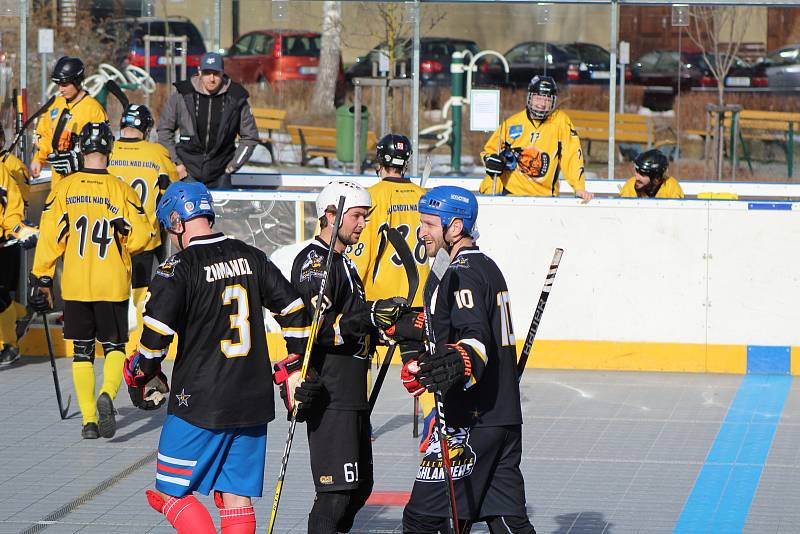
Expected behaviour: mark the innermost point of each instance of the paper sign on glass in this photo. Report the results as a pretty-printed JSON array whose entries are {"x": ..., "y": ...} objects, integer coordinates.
[{"x": 484, "y": 110}]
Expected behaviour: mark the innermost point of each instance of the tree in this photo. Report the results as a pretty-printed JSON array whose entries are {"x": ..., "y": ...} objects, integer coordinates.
[{"x": 322, "y": 99}]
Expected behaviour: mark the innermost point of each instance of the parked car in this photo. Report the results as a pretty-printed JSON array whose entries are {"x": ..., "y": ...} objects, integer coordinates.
[
  {"x": 269, "y": 56},
  {"x": 128, "y": 34},
  {"x": 783, "y": 66},
  {"x": 566, "y": 63},
  {"x": 660, "y": 67},
  {"x": 435, "y": 57}
]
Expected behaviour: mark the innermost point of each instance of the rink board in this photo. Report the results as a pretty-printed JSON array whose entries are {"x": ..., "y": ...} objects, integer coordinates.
[{"x": 692, "y": 286}]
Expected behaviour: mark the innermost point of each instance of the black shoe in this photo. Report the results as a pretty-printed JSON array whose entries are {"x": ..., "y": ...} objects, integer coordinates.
[
  {"x": 105, "y": 411},
  {"x": 9, "y": 355},
  {"x": 89, "y": 431}
]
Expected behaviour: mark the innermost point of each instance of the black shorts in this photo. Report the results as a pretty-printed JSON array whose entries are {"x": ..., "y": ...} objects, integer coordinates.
[
  {"x": 486, "y": 475},
  {"x": 142, "y": 268},
  {"x": 341, "y": 449},
  {"x": 102, "y": 320},
  {"x": 9, "y": 266}
]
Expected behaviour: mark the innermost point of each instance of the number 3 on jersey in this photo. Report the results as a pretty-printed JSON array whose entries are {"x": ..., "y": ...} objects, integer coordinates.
[{"x": 239, "y": 321}]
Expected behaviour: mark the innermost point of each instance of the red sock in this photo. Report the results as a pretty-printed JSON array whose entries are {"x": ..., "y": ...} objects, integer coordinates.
[
  {"x": 237, "y": 520},
  {"x": 186, "y": 514}
]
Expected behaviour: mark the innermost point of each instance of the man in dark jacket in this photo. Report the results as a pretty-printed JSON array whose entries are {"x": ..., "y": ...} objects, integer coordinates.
[{"x": 210, "y": 110}]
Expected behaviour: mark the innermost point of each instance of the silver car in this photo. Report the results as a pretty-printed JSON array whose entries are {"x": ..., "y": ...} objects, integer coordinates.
[{"x": 783, "y": 67}]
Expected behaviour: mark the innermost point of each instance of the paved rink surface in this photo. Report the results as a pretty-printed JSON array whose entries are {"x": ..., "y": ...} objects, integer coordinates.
[{"x": 604, "y": 452}]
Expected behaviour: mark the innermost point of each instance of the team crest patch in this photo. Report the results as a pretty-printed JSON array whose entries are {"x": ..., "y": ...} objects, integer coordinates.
[
  {"x": 188, "y": 206},
  {"x": 54, "y": 113},
  {"x": 533, "y": 163},
  {"x": 515, "y": 131},
  {"x": 312, "y": 267},
  {"x": 461, "y": 262},
  {"x": 167, "y": 269},
  {"x": 462, "y": 457}
]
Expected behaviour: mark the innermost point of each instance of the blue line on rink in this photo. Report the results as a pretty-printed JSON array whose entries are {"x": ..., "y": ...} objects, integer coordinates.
[
  {"x": 724, "y": 489},
  {"x": 778, "y": 206}
]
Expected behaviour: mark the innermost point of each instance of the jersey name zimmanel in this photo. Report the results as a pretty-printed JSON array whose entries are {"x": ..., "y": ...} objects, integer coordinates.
[{"x": 227, "y": 269}]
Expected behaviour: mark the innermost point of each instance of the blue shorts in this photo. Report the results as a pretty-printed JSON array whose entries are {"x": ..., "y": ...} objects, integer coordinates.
[{"x": 191, "y": 458}]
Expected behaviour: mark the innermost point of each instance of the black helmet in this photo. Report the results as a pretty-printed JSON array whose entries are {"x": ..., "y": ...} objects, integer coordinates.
[
  {"x": 542, "y": 86},
  {"x": 96, "y": 137},
  {"x": 137, "y": 116},
  {"x": 68, "y": 70},
  {"x": 652, "y": 164},
  {"x": 393, "y": 151}
]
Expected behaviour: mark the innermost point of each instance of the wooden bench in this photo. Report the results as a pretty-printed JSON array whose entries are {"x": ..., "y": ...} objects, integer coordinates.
[
  {"x": 268, "y": 121},
  {"x": 629, "y": 128},
  {"x": 319, "y": 142}
]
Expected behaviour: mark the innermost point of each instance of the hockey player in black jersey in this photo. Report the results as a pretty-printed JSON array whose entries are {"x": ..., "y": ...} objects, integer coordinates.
[
  {"x": 338, "y": 428},
  {"x": 474, "y": 366},
  {"x": 210, "y": 294}
]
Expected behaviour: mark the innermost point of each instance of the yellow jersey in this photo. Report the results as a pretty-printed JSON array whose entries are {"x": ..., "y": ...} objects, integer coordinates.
[
  {"x": 19, "y": 172},
  {"x": 96, "y": 222},
  {"x": 669, "y": 189},
  {"x": 394, "y": 205},
  {"x": 78, "y": 113},
  {"x": 547, "y": 150},
  {"x": 11, "y": 205},
  {"x": 146, "y": 167}
]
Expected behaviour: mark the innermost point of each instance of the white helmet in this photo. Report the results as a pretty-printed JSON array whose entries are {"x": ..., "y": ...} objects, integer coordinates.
[{"x": 354, "y": 195}]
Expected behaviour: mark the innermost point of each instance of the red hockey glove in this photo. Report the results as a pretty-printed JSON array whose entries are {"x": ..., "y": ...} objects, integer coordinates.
[
  {"x": 305, "y": 394},
  {"x": 410, "y": 326},
  {"x": 408, "y": 376},
  {"x": 447, "y": 368},
  {"x": 147, "y": 390}
]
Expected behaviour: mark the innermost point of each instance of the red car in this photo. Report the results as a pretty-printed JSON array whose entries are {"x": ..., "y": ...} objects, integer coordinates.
[{"x": 269, "y": 56}]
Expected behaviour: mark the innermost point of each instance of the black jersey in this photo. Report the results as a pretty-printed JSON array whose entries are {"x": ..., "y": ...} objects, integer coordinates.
[
  {"x": 211, "y": 295},
  {"x": 344, "y": 341},
  {"x": 471, "y": 307}
]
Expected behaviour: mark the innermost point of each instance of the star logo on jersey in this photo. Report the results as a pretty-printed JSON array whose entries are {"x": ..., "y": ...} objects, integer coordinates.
[{"x": 183, "y": 398}]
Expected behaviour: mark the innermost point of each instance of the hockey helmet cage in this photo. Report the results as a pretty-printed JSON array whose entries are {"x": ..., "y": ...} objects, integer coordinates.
[
  {"x": 542, "y": 86},
  {"x": 652, "y": 163},
  {"x": 394, "y": 151},
  {"x": 137, "y": 116},
  {"x": 354, "y": 196},
  {"x": 96, "y": 137},
  {"x": 188, "y": 200},
  {"x": 451, "y": 202},
  {"x": 68, "y": 70}
]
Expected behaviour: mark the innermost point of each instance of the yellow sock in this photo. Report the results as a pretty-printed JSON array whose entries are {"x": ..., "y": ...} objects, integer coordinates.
[
  {"x": 83, "y": 377},
  {"x": 19, "y": 310},
  {"x": 112, "y": 373},
  {"x": 138, "y": 301},
  {"x": 8, "y": 326}
]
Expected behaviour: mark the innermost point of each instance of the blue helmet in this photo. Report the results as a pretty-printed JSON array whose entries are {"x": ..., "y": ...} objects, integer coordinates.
[
  {"x": 450, "y": 202},
  {"x": 188, "y": 200}
]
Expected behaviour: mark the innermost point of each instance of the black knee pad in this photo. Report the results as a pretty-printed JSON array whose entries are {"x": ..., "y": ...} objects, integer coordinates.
[
  {"x": 111, "y": 347},
  {"x": 358, "y": 498},
  {"x": 423, "y": 524},
  {"x": 83, "y": 350},
  {"x": 509, "y": 523},
  {"x": 329, "y": 508}
]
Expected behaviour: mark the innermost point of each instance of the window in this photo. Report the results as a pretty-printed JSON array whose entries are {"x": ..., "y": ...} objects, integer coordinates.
[
  {"x": 648, "y": 61},
  {"x": 242, "y": 46},
  {"x": 262, "y": 44},
  {"x": 300, "y": 45}
]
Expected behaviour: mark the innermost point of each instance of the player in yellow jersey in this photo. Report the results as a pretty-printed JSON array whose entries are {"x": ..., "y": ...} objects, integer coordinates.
[
  {"x": 147, "y": 168},
  {"x": 651, "y": 180},
  {"x": 16, "y": 168},
  {"x": 14, "y": 235},
  {"x": 532, "y": 149},
  {"x": 63, "y": 121},
  {"x": 394, "y": 205},
  {"x": 96, "y": 222}
]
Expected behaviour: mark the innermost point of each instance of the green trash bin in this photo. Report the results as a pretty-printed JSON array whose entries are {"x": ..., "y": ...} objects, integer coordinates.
[{"x": 345, "y": 126}]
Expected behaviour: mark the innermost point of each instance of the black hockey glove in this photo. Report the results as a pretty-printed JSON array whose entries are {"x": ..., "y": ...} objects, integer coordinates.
[
  {"x": 384, "y": 313},
  {"x": 449, "y": 367},
  {"x": 41, "y": 297},
  {"x": 305, "y": 394},
  {"x": 147, "y": 390},
  {"x": 410, "y": 326},
  {"x": 495, "y": 164},
  {"x": 65, "y": 162}
]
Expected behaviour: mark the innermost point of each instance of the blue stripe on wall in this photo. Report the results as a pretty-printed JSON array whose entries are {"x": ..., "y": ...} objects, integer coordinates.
[
  {"x": 768, "y": 360},
  {"x": 724, "y": 489}
]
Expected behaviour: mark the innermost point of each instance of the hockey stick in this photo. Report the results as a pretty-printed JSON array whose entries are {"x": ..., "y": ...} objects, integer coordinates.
[
  {"x": 440, "y": 265},
  {"x": 25, "y": 126},
  {"x": 112, "y": 87},
  {"x": 61, "y": 410},
  {"x": 426, "y": 173},
  {"x": 315, "y": 324},
  {"x": 537, "y": 315},
  {"x": 407, "y": 258}
]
